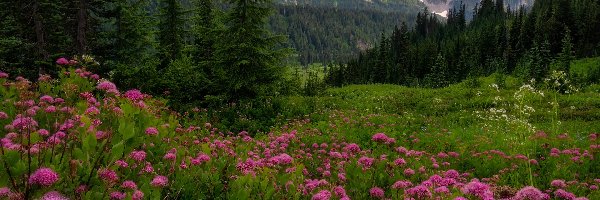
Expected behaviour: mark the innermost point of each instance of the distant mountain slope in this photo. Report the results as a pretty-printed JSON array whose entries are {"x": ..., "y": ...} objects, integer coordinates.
[
  {"x": 333, "y": 30},
  {"x": 380, "y": 5},
  {"x": 442, "y": 6}
]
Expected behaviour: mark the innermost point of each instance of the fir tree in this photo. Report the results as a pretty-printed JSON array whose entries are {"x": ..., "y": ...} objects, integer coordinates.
[{"x": 246, "y": 55}]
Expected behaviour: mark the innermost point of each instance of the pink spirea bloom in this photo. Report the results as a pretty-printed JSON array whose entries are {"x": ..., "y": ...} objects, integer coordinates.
[
  {"x": 129, "y": 185},
  {"x": 339, "y": 191},
  {"x": 558, "y": 183},
  {"x": 121, "y": 163},
  {"x": 43, "y": 132},
  {"x": 380, "y": 137},
  {"x": 531, "y": 193},
  {"x": 137, "y": 195},
  {"x": 44, "y": 177},
  {"x": 50, "y": 109},
  {"x": 160, "y": 181},
  {"x": 47, "y": 99},
  {"x": 442, "y": 190},
  {"x": 562, "y": 194},
  {"x": 138, "y": 155},
  {"x": 170, "y": 156},
  {"x": 53, "y": 195},
  {"x": 478, "y": 189},
  {"x": 352, "y": 147},
  {"x": 106, "y": 86},
  {"x": 134, "y": 95},
  {"x": 117, "y": 195},
  {"x": 108, "y": 175},
  {"x": 4, "y": 192},
  {"x": 419, "y": 192},
  {"x": 451, "y": 174},
  {"x": 409, "y": 172},
  {"x": 365, "y": 162},
  {"x": 399, "y": 162},
  {"x": 376, "y": 192},
  {"x": 151, "y": 131},
  {"x": 322, "y": 195},
  {"x": 3, "y": 115},
  {"x": 282, "y": 159},
  {"x": 3, "y": 75},
  {"x": 401, "y": 184},
  {"x": 62, "y": 61},
  {"x": 92, "y": 111},
  {"x": 23, "y": 123}
]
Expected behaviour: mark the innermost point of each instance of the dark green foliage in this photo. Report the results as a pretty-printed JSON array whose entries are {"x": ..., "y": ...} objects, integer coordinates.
[
  {"x": 172, "y": 30},
  {"x": 522, "y": 42},
  {"x": 245, "y": 54},
  {"x": 325, "y": 34}
]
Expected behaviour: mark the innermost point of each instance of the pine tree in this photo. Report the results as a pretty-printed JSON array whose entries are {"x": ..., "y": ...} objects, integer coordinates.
[
  {"x": 204, "y": 30},
  {"x": 566, "y": 55},
  {"x": 132, "y": 46},
  {"x": 171, "y": 30},
  {"x": 246, "y": 55},
  {"x": 439, "y": 73}
]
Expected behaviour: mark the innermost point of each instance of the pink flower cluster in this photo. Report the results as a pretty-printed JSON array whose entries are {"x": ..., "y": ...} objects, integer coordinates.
[
  {"x": 44, "y": 177},
  {"x": 382, "y": 138}
]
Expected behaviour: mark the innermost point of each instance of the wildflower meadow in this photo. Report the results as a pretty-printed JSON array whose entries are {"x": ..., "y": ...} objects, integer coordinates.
[{"x": 80, "y": 137}]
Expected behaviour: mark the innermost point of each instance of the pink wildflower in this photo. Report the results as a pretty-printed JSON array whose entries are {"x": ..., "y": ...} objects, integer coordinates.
[
  {"x": 322, "y": 195},
  {"x": 53, "y": 195},
  {"x": 159, "y": 181},
  {"x": 44, "y": 177},
  {"x": 478, "y": 189},
  {"x": 380, "y": 137},
  {"x": 106, "y": 86},
  {"x": 129, "y": 185},
  {"x": 47, "y": 99},
  {"x": 4, "y": 192},
  {"x": 170, "y": 156},
  {"x": 339, "y": 191},
  {"x": 134, "y": 95},
  {"x": 23, "y": 123},
  {"x": 138, "y": 155},
  {"x": 117, "y": 195},
  {"x": 562, "y": 194},
  {"x": 108, "y": 175},
  {"x": 401, "y": 184},
  {"x": 377, "y": 192},
  {"x": 282, "y": 159},
  {"x": 62, "y": 61},
  {"x": 419, "y": 192},
  {"x": 409, "y": 172},
  {"x": 151, "y": 131},
  {"x": 399, "y": 162},
  {"x": 531, "y": 193},
  {"x": 137, "y": 195},
  {"x": 558, "y": 183},
  {"x": 442, "y": 190},
  {"x": 365, "y": 162}
]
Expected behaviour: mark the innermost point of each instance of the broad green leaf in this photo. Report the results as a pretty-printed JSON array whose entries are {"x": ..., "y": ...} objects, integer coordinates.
[
  {"x": 117, "y": 151},
  {"x": 89, "y": 143}
]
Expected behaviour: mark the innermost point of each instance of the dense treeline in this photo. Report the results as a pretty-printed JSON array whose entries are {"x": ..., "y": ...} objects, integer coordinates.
[
  {"x": 526, "y": 43},
  {"x": 325, "y": 34},
  {"x": 187, "y": 51}
]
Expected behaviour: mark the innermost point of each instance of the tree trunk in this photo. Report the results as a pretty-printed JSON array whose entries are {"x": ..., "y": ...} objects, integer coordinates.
[
  {"x": 39, "y": 33},
  {"x": 82, "y": 27}
]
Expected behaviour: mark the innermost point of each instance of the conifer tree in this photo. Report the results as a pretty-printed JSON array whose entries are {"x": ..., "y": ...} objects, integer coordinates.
[
  {"x": 246, "y": 55},
  {"x": 566, "y": 55},
  {"x": 172, "y": 30}
]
